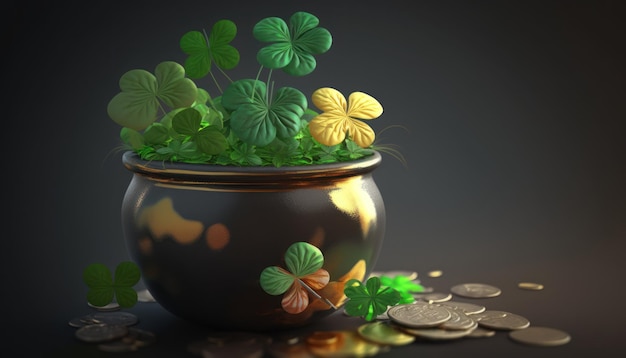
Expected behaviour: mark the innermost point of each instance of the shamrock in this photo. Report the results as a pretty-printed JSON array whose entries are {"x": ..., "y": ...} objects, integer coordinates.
[
  {"x": 338, "y": 117},
  {"x": 370, "y": 300},
  {"x": 304, "y": 273},
  {"x": 404, "y": 285},
  {"x": 137, "y": 105},
  {"x": 102, "y": 289},
  {"x": 209, "y": 139},
  {"x": 216, "y": 47},
  {"x": 257, "y": 120},
  {"x": 294, "y": 45}
]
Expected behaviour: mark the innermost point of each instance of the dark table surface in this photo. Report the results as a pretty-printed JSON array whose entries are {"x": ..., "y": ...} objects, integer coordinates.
[{"x": 511, "y": 116}]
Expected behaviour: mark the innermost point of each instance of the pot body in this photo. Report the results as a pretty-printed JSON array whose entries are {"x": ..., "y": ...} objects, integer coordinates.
[{"x": 202, "y": 235}]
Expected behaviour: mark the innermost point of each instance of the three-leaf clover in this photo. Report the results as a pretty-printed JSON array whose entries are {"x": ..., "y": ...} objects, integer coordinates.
[
  {"x": 257, "y": 119},
  {"x": 404, "y": 285},
  {"x": 218, "y": 49},
  {"x": 293, "y": 46},
  {"x": 304, "y": 275},
  {"x": 102, "y": 288},
  {"x": 340, "y": 117},
  {"x": 369, "y": 300},
  {"x": 137, "y": 104}
]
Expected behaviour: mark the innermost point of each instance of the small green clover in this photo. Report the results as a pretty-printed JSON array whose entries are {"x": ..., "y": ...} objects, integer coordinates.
[
  {"x": 103, "y": 289},
  {"x": 294, "y": 45},
  {"x": 369, "y": 300},
  {"x": 218, "y": 49},
  {"x": 137, "y": 104},
  {"x": 257, "y": 119},
  {"x": 304, "y": 273},
  {"x": 404, "y": 285}
]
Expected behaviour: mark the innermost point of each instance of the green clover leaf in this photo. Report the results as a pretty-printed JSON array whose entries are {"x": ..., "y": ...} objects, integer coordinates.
[
  {"x": 370, "y": 300},
  {"x": 218, "y": 49},
  {"x": 209, "y": 140},
  {"x": 102, "y": 288},
  {"x": 293, "y": 46},
  {"x": 257, "y": 121},
  {"x": 304, "y": 273},
  {"x": 137, "y": 104},
  {"x": 404, "y": 285}
]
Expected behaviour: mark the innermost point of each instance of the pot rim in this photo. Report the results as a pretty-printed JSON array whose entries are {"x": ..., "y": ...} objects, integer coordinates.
[{"x": 203, "y": 172}]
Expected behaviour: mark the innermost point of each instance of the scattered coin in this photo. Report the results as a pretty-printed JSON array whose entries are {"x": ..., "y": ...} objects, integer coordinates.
[
  {"x": 530, "y": 286},
  {"x": 286, "y": 349},
  {"x": 114, "y": 318},
  {"x": 468, "y": 308},
  {"x": 435, "y": 273},
  {"x": 145, "y": 296},
  {"x": 437, "y": 333},
  {"x": 135, "y": 339},
  {"x": 348, "y": 344},
  {"x": 97, "y": 333},
  {"x": 113, "y": 306},
  {"x": 321, "y": 338},
  {"x": 540, "y": 336},
  {"x": 418, "y": 315},
  {"x": 501, "y": 320},
  {"x": 475, "y": 290},
  {"x": 383, "y": 333},
  {"x": 481, "y": 332},
  {"x": 458, "y": 320},
  {"x": 433, "y": 297}
]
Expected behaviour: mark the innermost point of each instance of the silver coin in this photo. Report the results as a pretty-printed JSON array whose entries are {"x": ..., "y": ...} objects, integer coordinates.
[
  {"x": 114, "y": 318},
  {"x": 97, "y": 333},
  {"x": 437, "y": 333},
  {"x": 113, "y": 306},
  {"x": 458, "y": 320},
  {"x": 475, "y": 290},
  {"x": 481, "y": 332},
  {"x": 501, "y": 320},
  {"x": 418, "y": 315},
  {"x": 433, "y": 297},
  {"x": 540, "y": 336},
  {"x": 468, "y": 308}
]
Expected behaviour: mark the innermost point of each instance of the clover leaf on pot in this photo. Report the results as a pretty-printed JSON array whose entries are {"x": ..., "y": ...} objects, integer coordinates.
[
  {"x": 137, "y": 104},
  {"x": 304, "y": 274},
  {"x": 341, "y": 117},
  {"x": 293, "y": 46},
  {"x": 258, "y": 119},
  {"x": 209, "y": 139},
  {"x": 203, "y": 50}
]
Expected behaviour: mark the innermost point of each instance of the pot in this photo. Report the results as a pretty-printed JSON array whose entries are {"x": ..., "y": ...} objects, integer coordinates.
[{"x": 252, "y": 248}]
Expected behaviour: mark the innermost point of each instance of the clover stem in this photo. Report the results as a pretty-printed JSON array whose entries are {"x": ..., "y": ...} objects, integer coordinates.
[
  {"x": 215, "y": 80},
  {"x": 316, "y": 294},
  {"x": 267, "y": 94},
  {"x": 256, "y": 79}
]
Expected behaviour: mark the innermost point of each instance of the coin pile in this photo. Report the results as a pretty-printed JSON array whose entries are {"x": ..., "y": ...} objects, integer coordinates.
[{"x": 111, "y": 331}]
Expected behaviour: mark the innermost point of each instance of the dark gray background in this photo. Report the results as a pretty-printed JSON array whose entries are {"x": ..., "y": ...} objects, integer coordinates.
[{"x": 513, "y": 115}]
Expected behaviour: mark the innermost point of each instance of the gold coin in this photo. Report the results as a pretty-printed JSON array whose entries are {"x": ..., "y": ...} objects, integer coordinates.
[
  {"x": 382, "y": 333},
  {"x": 320, "y": 338},
  {"x": 435, "y": 273},
  {"x": 348, "y": 344},
  {"x": 530, "y": 286}
]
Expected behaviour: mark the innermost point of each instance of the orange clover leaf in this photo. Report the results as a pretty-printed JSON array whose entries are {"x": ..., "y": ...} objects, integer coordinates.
[
  {"x": 340, "y": 117},
  {"x": 303, "y": 275}
]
